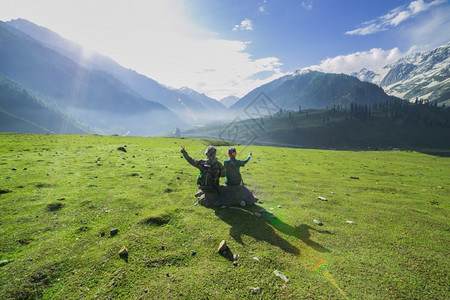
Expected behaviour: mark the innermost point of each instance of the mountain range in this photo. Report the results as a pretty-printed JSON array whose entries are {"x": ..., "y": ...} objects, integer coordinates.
[
  {"x": 72, "y": 91},
  {"x": 423, "y": 75},
  {"x": 189, "y": 110},
  {"x": 312, "y": 90}
]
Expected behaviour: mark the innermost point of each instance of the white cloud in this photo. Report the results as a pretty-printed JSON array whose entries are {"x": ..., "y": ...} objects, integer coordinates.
[
  {"x": 246, "y": 24},
  {"x": 156, "y": 39},
  {"x": 394, "y": 17},
  {"x": 430, "y": 32},
  {"x": 374, "y": 59},
  {"x": 402, "y": 16},
  {"x": 307, "y": 5}
]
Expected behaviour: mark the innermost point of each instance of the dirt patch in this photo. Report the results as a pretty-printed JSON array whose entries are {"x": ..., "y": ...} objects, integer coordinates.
[
  {"x": 175, "y": 259},
  {"x": 54, "y": 206},
  {"x": 82, "y": 229},
  {"x": 43, "y": 185},
  {"x": 24, "y": 242},
  {"x": 159, "y": 221}
]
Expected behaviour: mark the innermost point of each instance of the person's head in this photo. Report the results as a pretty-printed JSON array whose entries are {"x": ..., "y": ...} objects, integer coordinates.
[
  {"x": 210, "y": 152},
  {"x": 232, "y": 152}
]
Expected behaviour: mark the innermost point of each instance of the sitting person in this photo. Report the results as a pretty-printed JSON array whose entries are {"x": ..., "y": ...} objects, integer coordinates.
[
  {"x": 210, "y": 169},
  {"x": 232, "y": 166},
  {"x": 210, "y": 192}
]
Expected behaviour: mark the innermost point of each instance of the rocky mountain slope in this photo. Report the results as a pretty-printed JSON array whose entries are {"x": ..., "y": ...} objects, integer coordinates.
[{"x": 421, "y": 75}]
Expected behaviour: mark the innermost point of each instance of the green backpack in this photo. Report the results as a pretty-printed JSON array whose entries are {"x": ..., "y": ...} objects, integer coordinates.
[{"x": 209, "y": 176}]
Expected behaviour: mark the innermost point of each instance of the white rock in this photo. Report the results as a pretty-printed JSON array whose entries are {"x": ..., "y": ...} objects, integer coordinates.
[{"x": 281, "y": 275}]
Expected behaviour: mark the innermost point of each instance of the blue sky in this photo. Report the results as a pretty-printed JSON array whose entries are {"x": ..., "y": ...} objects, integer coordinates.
[{"x": 223, "y": 48}]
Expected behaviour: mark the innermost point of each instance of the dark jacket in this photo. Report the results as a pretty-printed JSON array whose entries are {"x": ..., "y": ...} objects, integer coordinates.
[
  {"x": 232, "y": 166},
  {"x": 199, "y": 164}
]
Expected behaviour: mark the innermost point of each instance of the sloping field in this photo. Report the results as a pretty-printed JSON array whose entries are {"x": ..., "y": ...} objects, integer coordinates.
[{"x": 60, "y": 195}]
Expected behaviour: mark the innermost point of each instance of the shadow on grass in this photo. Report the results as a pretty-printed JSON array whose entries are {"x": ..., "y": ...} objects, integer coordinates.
[{"x": 244, "y": 222}]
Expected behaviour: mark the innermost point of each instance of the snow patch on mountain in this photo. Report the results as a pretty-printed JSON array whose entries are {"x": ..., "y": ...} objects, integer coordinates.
[{"x": 420, "y": 75}]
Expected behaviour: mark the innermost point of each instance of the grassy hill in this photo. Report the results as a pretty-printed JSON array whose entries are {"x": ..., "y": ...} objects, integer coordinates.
[
  {"x": 60, "y": 195},
  {"x": 395, "y": 125}
]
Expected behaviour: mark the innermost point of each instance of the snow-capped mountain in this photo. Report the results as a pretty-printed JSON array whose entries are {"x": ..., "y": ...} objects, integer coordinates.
[
  {"x": 421, "y": 75},
  {"x": 365, "y": 75}
]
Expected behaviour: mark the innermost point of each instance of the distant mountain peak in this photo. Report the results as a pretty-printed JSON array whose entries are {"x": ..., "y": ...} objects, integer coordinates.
[
  {"x": 302, "y": 71},
  {"x": 424, "y": 75}
]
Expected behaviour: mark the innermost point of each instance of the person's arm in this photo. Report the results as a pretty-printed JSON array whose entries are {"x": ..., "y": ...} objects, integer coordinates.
[
  {"x": 243, "y": 162},
  {"x": 189, "y": 159},
  {"x": 223, "y": 171}
]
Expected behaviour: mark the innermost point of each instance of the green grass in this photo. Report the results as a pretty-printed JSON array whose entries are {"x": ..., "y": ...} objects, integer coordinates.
[{"x": 61, "y": 195}]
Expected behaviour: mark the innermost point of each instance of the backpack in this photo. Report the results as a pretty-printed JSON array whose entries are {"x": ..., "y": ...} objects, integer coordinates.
[{"x": 209, "y": 176}]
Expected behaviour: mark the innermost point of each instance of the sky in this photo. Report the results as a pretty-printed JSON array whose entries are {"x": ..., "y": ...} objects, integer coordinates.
[{"x": 230, "y": 47}]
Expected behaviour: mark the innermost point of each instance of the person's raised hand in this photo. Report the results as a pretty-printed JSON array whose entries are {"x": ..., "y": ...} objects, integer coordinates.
[
  {"x": 251, "y": 153},
  {"x": 182, "y": 149}
]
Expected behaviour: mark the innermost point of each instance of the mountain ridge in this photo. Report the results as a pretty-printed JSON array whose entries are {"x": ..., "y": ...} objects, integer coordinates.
[
  {"x": 189, "y": 109},
  {"x": 424, "y": 75},
  {"x": 315, "y": 90},
  {"x": 93, "y": 96}
]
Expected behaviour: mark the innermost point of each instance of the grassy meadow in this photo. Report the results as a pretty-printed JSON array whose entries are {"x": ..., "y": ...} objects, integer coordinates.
[{"x": 60, "y": 195}]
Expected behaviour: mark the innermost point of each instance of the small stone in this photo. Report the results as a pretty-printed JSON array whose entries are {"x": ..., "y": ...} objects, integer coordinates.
[
  {"x": 350, "y": 222},
  {"x": 25, "y": 169},
  {"x": 281, "y": 275},
  {"x": 255, "y": 258},
  {"x": 279, "y": 206},
  {"x": 322, "y": 198},
  {"x": 242, "y": 203},
  {"x": 236, "y": 257},
  {"x": 235, "y": 263},
  {"x": 113, "y": 231},
  {"x": 123, "y": 251},
  {"x": 317, "y": 222},
  {"x": 258, "y": 215},
  {"x": 4, "y": 262},
  {"x": 193, "y": 252},
  {"x": 222, "y": 247},
  {"x": 106, "y": 211},
  {"x": 256, "y": 290},
  {"x": 14, "y": 169}
]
